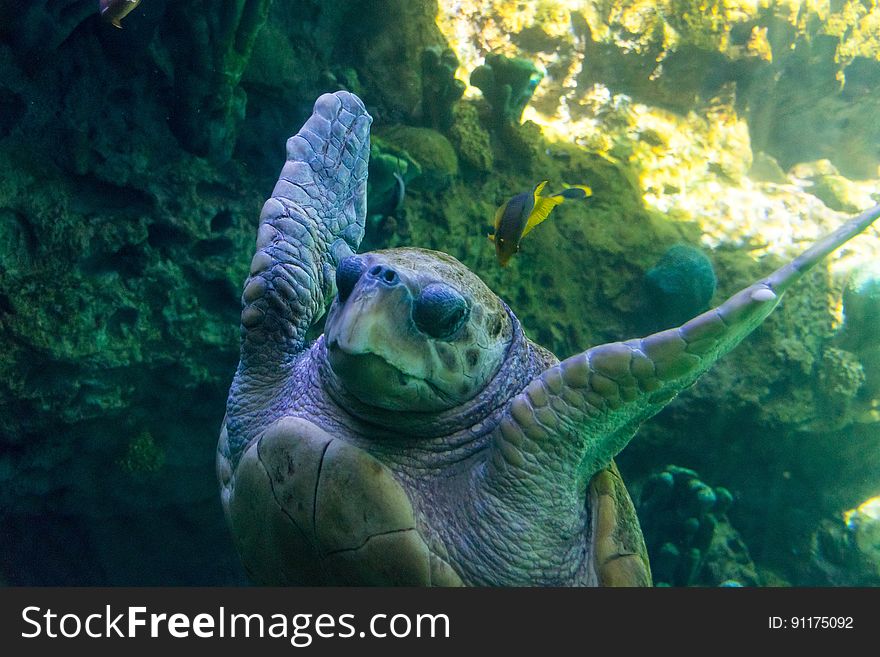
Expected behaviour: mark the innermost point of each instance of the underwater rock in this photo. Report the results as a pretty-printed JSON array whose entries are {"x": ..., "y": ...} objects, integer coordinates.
[
  {"x": 823, "y": 181},
  {"x": 38, "y": 28},
  {"x": 816, "y": 86},
  {"x": 345, "y": 78},
  {"x": 12, "y": 108},
  {"x": 117, "y": 292},
  {"x": 765, "y": 168},
  {"x": 470, "y": 139},
  {"x": 384, "y": 42},
  {"x": 841, "y": 377},
  {"x": 440, "y": 88},
  {"x": 508, "y": 84},
  {"x": 845, "y": 551},
  {"x": 860, "y": 333},
  {"x": 836, "y": 192},
  {"x": 391, "y": 170},
  {"x": 688, "y": 534},
  {"x": 679, "y": 286},
  {"x": 861, "y": 308},
  {"x": 814, "y": 169},
  {"x": 870, "y": 360},
  {"x": 210, "y": 49},
  {"x": 435, "y": 156},
  {"x": 143, "y": 455}
]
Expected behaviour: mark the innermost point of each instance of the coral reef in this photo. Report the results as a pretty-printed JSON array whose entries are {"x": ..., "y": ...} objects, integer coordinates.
[
  {"x": 689, "y": 537},
  {"x": 686, "y": 92},
  {"x": 440, "y": 88},
  {"x": 470, "y": 139},
  {"x": 861, "y": 308},
  {"x": 143, "y": 455},
  {"x": 870, "y": 392},
  {"x": 835, "y": 192},
  {"x": 846, "y": 551},
  {"x": 431, "y": 151},
  {"x": 209, "y": 47},
  {"x": 384, "y": 41},
  {"x": 816, "y": 84},
  {"x": 508, "y": 84},
  {"x": 678, "y": 287},
  {"x": 854, "y": 382},
  {"x": 841, "y": 376},
  {"x": 390, "y": 170}
]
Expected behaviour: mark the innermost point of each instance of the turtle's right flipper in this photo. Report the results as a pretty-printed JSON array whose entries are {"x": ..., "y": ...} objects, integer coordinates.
[
  {"x": 577, "y": 415},
  {"x": 314, "y": 218}
]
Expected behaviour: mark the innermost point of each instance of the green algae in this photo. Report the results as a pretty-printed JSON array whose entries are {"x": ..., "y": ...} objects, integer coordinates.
[
  {"x": 471, "y": 140},
  {"x": 143, "y": 455}
]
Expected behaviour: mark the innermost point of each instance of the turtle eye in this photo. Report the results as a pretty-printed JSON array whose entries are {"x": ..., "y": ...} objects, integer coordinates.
[
  {"x": 440, "y": 310},
  {"x": 348, "y": 273}
]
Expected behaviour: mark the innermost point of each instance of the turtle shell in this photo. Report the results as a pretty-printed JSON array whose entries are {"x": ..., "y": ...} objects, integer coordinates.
[
  {"x": 309, "y": 509},
  {"x": 619, "y": 554}
]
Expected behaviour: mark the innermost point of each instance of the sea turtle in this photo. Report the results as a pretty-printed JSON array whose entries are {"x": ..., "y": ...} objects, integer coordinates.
[{"x": 423, "y": 439}]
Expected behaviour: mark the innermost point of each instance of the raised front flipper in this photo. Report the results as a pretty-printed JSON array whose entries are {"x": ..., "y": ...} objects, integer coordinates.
[
  {"x": 573, "y": 418},
  {"x": 314, "y": 219}
]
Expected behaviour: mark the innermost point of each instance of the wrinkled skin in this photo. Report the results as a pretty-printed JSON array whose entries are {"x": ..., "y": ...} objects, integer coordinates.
[{"x": 423, "y": 439}]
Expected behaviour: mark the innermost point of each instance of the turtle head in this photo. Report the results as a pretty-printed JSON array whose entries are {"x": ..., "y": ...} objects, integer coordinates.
[{"x": 414, "y": 330}]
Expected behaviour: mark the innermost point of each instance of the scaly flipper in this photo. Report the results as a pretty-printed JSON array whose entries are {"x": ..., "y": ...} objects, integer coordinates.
[
  {"x": 575, "y": 416},
  {"x": 314, "y": 218}
]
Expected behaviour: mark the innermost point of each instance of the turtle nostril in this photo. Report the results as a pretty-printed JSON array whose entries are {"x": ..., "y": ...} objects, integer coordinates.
[
  {"x": 347, "y": 275},
  {"x": 384, "y": 275}
]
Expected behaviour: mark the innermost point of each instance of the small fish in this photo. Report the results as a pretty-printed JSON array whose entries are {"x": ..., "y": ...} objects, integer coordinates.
[
  {"x": 516, "y": 218},
  {"x": 114, "y": 11}
]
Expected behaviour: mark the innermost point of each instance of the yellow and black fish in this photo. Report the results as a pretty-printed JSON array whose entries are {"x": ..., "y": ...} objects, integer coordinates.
[
  {"x": 114, "y": 11},
  {"x": 516, "y": 218}
]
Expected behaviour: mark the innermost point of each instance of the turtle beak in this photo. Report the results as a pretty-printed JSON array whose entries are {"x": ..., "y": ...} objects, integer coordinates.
[
  {"x": 370, "y": 348},
  {"x": 362, "y": 321}
]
